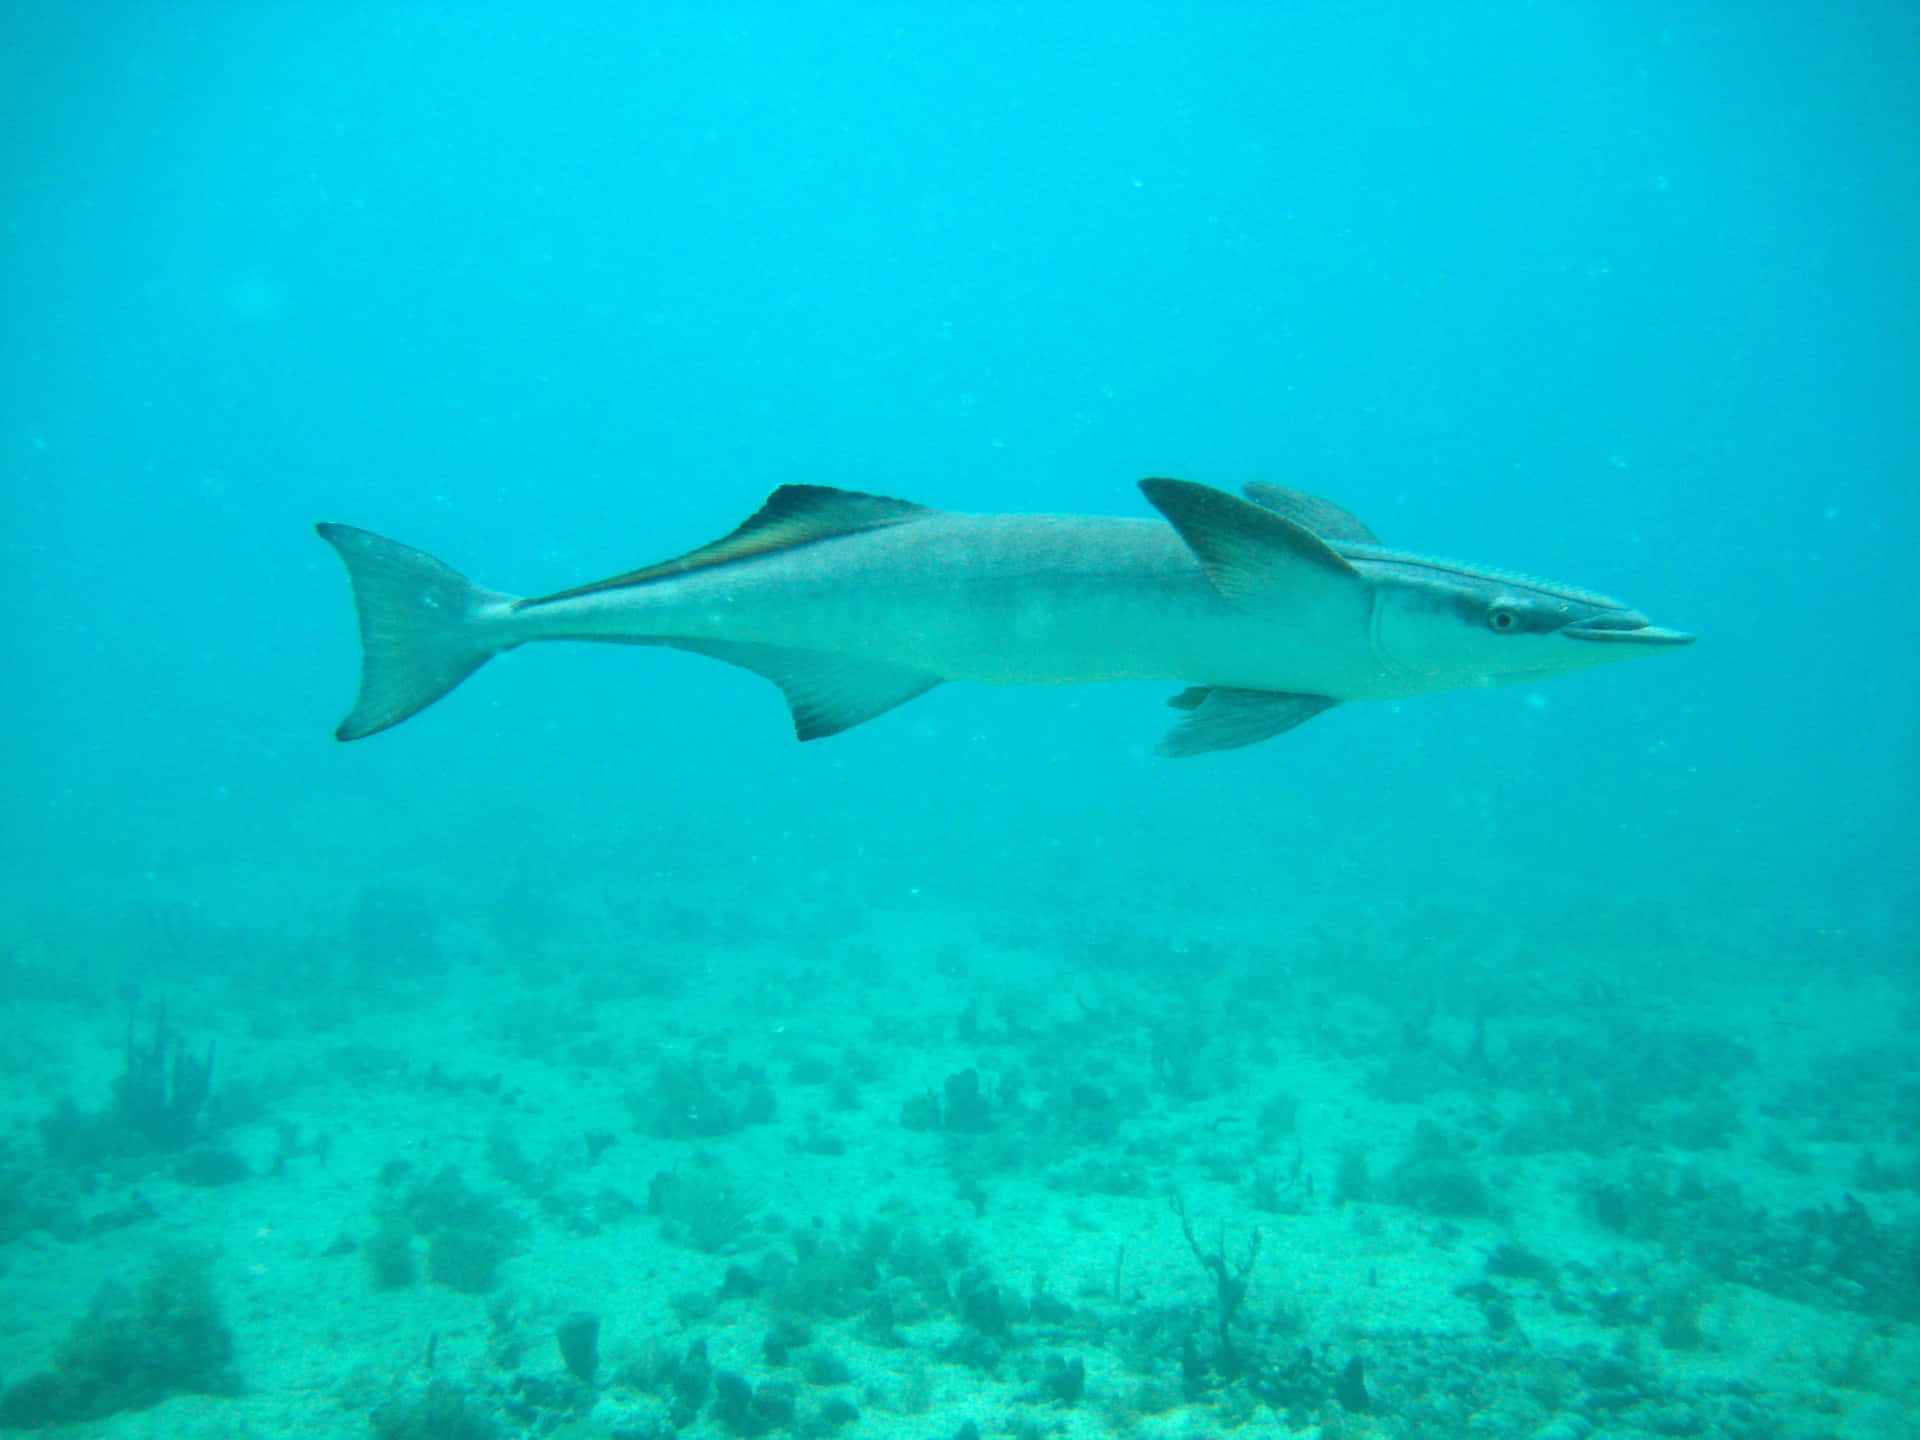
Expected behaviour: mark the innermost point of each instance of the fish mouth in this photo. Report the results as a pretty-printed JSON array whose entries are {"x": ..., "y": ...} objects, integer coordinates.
[{"x": 1626, "y": 628}]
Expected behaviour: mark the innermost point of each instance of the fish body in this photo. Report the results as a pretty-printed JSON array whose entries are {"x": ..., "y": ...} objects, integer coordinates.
[{"x": 1270, "y": 609}]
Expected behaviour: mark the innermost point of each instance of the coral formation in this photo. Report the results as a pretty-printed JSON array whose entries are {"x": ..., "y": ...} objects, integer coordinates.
[
  {"x": 132, "y": 1349},
  {"x": 702, "y": 1207},
  {"x": 468, "y": 1234},
  {"x": 690, "y": 1100},
  {"x": 438, "y": 1411},
  {"x": 578, "y": 1336}
]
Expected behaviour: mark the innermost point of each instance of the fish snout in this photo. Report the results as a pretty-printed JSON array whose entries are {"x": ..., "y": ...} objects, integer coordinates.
[{"x": 1625, "y": 627}]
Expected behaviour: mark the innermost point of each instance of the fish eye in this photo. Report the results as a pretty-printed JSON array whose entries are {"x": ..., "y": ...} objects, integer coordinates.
[{"x": 1503, "y": 619}]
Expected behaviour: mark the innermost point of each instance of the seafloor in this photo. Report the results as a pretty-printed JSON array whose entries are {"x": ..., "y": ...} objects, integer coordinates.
[{"x": 925, "y": 1172}]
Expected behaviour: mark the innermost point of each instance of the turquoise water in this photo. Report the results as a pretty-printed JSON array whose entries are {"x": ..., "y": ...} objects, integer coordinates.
[{"x": 1615, "y": 972}]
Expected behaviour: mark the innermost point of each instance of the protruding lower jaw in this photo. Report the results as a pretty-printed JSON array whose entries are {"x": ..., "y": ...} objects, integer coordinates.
[{"x": 1628, "y": 627}]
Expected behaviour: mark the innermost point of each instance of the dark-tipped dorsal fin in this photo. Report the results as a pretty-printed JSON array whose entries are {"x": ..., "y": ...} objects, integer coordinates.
[
  {"x": 1324, "y": 518},
  {"x": 793, "y": 515}
]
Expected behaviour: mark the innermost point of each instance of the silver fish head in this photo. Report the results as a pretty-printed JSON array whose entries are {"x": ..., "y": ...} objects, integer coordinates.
[{"x": 1457, "y": 627}]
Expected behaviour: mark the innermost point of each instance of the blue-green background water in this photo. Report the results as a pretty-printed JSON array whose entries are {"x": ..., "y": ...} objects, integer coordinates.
[
  {"x": 1608, "y": 292},
  {"x": 1619, "y": 294}
]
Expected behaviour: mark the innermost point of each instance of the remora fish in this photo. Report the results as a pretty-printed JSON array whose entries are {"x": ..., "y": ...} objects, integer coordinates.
[{"x": 1270, "y": 610}]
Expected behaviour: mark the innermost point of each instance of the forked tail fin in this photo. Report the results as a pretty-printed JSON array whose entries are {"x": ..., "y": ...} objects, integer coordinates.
[{"x": 422, "y": 628}]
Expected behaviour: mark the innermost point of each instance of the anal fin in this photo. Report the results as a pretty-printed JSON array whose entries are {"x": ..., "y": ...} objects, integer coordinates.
[
  {"x": 827, "y": 692},
  {"x": 1220, "y": 717}
]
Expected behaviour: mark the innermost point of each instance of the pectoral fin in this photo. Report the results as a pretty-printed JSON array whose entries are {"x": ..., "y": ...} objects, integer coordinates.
[
  {"x": 1254, "y": 556},
  {"x": 827, "y": 693},
  {"x": 1222, "y": 718}
]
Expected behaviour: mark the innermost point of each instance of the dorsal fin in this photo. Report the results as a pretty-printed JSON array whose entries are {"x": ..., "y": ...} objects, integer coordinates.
[
  {"x": 793, "y": 515},
  {"x": 1324, "y": 518},
  {"x": 1253, "y": 556}
]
